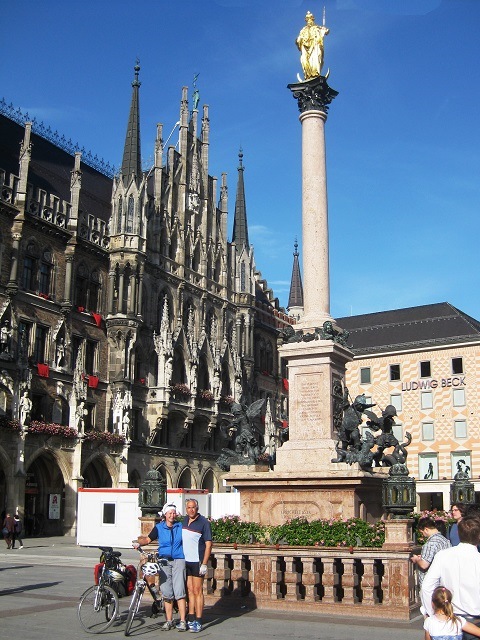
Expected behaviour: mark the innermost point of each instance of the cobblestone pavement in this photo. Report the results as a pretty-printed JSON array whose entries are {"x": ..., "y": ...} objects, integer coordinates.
[{"x": 40, "y": 586}]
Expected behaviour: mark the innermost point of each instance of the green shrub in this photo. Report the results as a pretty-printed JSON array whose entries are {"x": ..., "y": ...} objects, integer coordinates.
[
  {"x": 232, "y": 529},
  {"x": 299, "y": 532}
]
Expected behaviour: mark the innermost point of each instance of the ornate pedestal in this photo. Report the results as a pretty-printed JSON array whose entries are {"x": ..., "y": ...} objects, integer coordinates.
[{"x": 305, "y": 481}]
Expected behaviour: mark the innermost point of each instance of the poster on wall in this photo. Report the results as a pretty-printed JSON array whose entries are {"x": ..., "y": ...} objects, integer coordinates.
[{"x": 54, "y": 506}]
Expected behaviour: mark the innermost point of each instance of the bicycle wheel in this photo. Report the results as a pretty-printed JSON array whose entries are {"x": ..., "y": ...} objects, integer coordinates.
[
  {"x": 134, "y": 606},
  {"x": 98, "y": 608}
]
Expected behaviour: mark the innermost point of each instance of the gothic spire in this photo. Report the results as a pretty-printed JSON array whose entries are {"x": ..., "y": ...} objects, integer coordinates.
[
  {"x": 240, "y": 229},
  {"x": 295, "y": 299},
  {"x": 132, "y": 160}
]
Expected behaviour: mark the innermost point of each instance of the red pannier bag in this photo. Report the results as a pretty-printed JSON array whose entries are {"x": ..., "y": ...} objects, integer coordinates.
[
  {"x": 131, "y": 572},
  {"x": 97, "y": 570}
]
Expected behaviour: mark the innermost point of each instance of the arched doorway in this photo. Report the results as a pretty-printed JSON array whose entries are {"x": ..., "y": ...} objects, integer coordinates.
[
  {"x": 44, "y": 497},
  {"x": 3, "y": 491}
]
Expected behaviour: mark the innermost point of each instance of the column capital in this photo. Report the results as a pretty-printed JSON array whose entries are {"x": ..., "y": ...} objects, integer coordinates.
[{"x": 313, "y": 95}]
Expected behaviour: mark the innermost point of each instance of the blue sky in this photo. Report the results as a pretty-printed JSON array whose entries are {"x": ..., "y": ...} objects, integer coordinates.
[{"x": 403, "y": 136}]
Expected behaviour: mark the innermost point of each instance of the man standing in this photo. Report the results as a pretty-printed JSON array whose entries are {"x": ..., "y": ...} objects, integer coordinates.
[
  {"x": 197, "y": 546},
  {"x": 458, "y": 569},
  {"x": 435, "y": 542}
]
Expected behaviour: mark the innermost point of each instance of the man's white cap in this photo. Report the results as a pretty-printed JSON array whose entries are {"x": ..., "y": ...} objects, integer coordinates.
[{"x": 168, "y": 507}]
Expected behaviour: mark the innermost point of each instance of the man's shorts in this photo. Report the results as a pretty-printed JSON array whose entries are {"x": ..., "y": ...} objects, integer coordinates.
[{"x": 193, "y": 569}]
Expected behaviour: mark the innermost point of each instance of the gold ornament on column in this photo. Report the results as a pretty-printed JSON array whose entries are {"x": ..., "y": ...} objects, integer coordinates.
[{"x": 310, "y": 45}]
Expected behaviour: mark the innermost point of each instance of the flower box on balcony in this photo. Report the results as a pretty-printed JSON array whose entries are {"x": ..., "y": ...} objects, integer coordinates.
[
  {"x": 37, "y": 427},
  {"x": 180, "y": 391}
]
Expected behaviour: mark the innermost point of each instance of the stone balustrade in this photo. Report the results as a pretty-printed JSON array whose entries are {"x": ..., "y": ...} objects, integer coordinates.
[{"x": 363, "y": 582}]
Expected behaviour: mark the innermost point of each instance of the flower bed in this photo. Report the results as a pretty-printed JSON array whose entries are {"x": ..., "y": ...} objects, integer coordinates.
[
  {"x": 300, "y": 532},
  {"x": 104, "y": 436},
  {"x": 51, "y": 429}
]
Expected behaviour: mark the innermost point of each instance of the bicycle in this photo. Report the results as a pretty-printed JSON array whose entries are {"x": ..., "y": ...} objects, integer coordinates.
[
  {"x": 149, "y": 565},
  {"x": 98, "y": 607}
]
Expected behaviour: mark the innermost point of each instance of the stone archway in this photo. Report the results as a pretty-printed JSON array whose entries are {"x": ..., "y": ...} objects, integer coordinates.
[
  {"x": 208, "y": 481},
  {"x": 134, "y": 479},
  {"x": 6, "y": 481},
  {"x": 44, "y": 496},
  {"x": 96, "y": 474},
  {"x": 185, "y": 479}
]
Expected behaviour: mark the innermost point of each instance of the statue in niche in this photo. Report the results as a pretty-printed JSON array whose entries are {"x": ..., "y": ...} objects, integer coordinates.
[
  {"x": 25, "y": 406},
  {"x": 80, "y": 414},
  {"x": 5, "y": 338},
  {"x": 216, "y": 384},
  {"x": 248, "y": 439},
  {"x": 60, "y": 353},
  {"x": 168, "y": 369},
  {"x": 310, "y": 45}
]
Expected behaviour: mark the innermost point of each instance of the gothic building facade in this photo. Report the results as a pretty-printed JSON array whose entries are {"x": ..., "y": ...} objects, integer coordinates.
[{"x": 129, "y": 322}]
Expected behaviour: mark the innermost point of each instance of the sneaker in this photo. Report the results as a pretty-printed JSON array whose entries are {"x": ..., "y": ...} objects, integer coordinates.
[
  {"x": 21, "y": 546},
  {"x": 182, "y": 626},
  {"x": 167, "y": 625},
  {"x": 191, "y": 624},
  {"x": 196, "y": 627}
]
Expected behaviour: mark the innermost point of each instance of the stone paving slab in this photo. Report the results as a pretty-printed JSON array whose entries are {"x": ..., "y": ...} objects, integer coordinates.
[{"x": 40, "y": 587}]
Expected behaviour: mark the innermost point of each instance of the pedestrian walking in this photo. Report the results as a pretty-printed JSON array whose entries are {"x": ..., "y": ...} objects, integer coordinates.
[
  {"x": 18, "y": 533},
  {"x": 8, "y": 530}
]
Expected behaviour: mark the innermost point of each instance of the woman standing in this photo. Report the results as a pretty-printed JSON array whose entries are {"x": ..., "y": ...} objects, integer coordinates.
[
  {"x": 458, "y": 511},
  {"x": 172, "y": 563}
]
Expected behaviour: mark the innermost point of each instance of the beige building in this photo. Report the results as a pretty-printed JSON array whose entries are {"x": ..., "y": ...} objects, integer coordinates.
[{"x": 426, "y": 362}]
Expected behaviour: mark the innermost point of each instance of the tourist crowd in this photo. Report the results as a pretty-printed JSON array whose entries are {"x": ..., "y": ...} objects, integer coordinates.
[{"x": 449, "y": 576}]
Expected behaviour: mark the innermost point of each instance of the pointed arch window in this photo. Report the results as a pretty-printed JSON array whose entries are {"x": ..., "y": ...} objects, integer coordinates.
[
  {"x": 243, "y": 277},
  {"x": 81, "y": 287},
  {"x": 30, "y": 264},
  {"x": 130, "y": 215},
  {"x": 87, "y": 289},
  {"x": 119, "y": 214},
  {"x": 269, "y": 357},
  {"x": 45, "y": 272}
]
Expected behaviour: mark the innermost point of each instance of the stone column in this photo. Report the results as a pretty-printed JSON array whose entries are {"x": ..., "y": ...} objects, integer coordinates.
[
  {"x": 313, "y": 97},
  {"x": 68, "y": 278},
  {"x": 111, "y": 286},
  {"x": 316, "y": 288}
]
